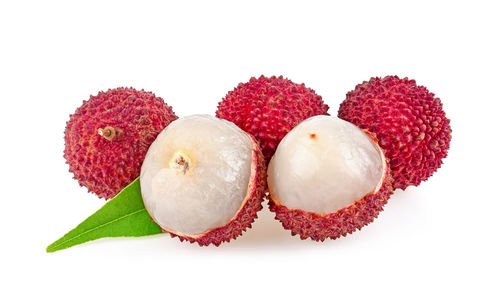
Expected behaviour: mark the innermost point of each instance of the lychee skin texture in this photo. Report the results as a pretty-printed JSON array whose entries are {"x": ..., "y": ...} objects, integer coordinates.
[
  {"x": 408, "y": 121},
  {"x": 269, "y": 107},
  {"x": 105, "y": 163},
  {"x": 246, "y": 215}
]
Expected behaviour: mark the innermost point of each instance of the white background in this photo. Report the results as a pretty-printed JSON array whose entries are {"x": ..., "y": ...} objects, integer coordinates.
[{"x": 439, "y": 240}]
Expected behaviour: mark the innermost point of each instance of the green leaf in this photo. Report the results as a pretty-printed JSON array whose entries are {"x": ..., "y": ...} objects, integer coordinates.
[{"x": 124, "y": 215}]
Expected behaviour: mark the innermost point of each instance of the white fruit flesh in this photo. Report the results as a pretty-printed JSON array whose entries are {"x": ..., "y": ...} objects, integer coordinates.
[
  {"x": 196, "y": 174},
  {"x": 324, "y": 164}
]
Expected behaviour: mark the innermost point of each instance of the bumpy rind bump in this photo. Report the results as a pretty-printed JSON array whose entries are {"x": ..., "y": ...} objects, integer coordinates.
[
  {"x": 344, "y": 221},
  {"x": 408, "y": 121},
  {"x": 248, "y": 212},
  {"x": 269, "y": 107},
  {"x": 105, "y": 167}
]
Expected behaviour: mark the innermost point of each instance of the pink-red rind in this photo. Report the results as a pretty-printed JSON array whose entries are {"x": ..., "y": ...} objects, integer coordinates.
[
  {"x": 269, "y": 107},
  {"x": 245, "y": 216},
  {"x": 105, "y": 167},
  {"x": 408, "y": 121}
]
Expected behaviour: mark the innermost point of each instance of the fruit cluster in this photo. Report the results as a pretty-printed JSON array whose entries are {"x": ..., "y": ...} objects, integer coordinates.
[{"x": 203, "y": 178}]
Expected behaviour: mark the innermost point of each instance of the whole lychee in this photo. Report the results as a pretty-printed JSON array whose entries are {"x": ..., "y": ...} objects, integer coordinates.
[
  {"x": 327, "y": 179},
  {"x": 203, "y": 180},
  {"x": 269, "y": 107},
  {"x": 107, "y": 138},
  {"x": 408, "y": 121}
]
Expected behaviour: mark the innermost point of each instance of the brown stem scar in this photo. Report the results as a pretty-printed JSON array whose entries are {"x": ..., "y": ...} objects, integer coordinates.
[
  {"x": 109, "y": 132},
  {"x": 181, "y": 162}
]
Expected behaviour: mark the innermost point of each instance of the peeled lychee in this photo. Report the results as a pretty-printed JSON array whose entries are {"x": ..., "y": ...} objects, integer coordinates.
[
  {"x": 408, "y": 121},
  {"x": 203, "y": 180},
  {"x": 107, "y": 138},
  {"x": 269, "y": 107},
  {"x": 327, "y": 179}
]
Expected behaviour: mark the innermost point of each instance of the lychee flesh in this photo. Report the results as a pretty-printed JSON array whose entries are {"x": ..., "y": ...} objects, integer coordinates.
[
  {"x": 203, "y": 179},
  {"x": 332, "y": 157},
  {"x": 327, "y": 178},
  {"x": 107, "y": 138},
  {"x": 269, "y": 107},
  {"x": 408, "y": 121}
]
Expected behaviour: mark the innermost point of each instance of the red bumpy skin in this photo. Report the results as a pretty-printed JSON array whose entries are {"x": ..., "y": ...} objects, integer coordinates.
[
  {"x": 269, "y": 107},
  {"x": 333, "y": 225},
  {"x": 408, "y": 121},
  {"x": 107, "y": 138},
  {"x": 248, "y": 212}
]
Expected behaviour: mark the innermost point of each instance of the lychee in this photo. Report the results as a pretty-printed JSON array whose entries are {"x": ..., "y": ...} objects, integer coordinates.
[
  {"x": 107, "y": 138},
  {"x": 408, "y": 121},
  {"x": 203, "y": 180},
  {"x": 327, "y": 179},
  {"x": 269, "y": 107}
]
